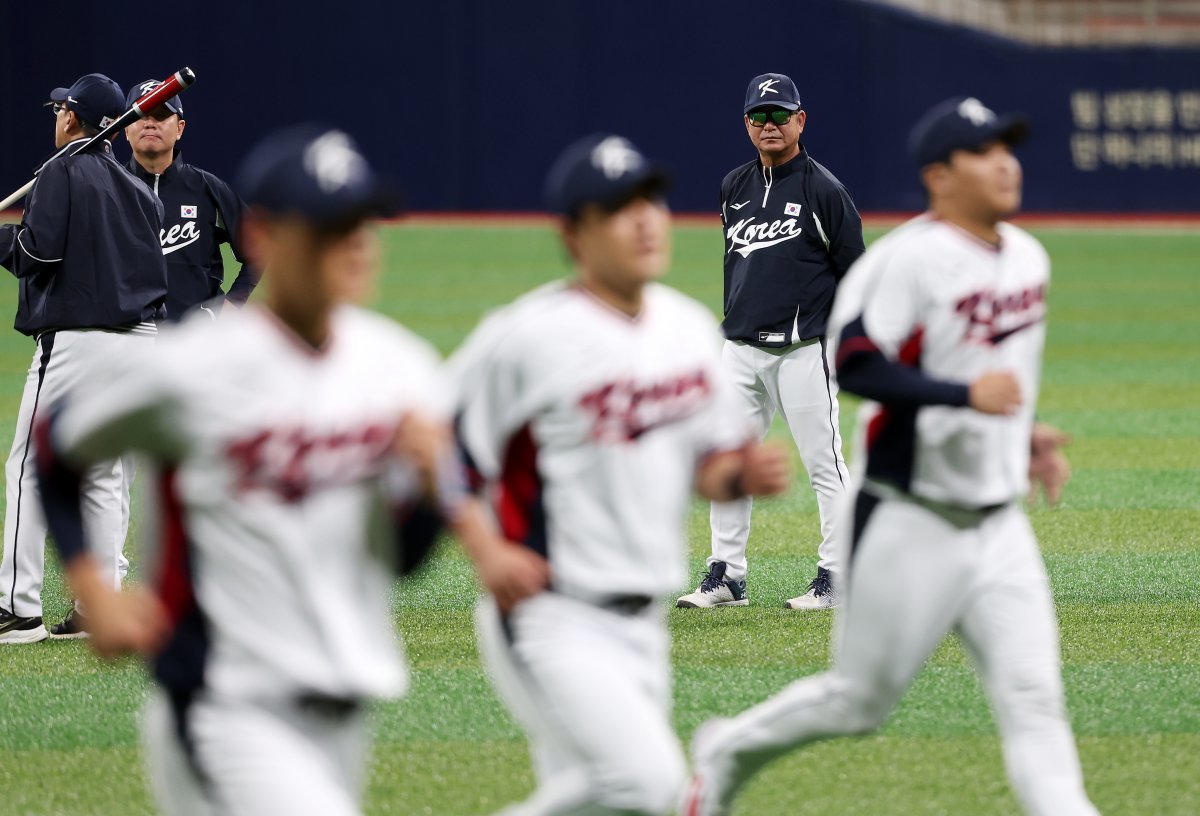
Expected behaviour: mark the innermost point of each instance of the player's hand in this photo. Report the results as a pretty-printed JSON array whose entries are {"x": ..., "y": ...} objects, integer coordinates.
[
  {"x": 766, "y": 469},
  {"x": 511, "y": 573},
  {"x": 1048, "y": 466},
  {"x": 120, "y": 623},
  {"x": 996, "y": 392},
  {"x": 424, "y": 443}
]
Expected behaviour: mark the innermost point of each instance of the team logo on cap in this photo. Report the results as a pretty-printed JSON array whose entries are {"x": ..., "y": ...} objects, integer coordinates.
[
  {"x": 333, "y": 162},
  {"x": 149, "y": 85},
  {"x": 979, "y": 113},
  {"x": 614, "y": 157},
  {"x": 767, "y": 87}
]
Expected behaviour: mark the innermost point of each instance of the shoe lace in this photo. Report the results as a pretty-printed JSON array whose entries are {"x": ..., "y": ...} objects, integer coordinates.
[
  {"x": 711, "y": 581},
  {"x": 820, "y": 586}
]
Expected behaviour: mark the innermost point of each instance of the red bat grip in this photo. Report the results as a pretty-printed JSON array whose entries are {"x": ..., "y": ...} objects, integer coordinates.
[{"x": 179, "y": 81}]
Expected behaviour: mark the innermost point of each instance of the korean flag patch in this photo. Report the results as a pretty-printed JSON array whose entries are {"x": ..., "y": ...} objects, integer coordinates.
[
  {"x": 189, "y": 210},
  {"x": 791, "y": 209}
]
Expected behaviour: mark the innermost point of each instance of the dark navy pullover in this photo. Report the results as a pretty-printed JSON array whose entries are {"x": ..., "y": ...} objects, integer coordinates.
[
  {"x": 200, "y": 212},
  {"x": 86, "y": 252},
  {"x": 791, "y": 233}
]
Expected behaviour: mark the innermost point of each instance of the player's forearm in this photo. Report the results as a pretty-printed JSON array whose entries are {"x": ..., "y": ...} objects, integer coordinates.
[
  {"x": 873, "y": 376},
  {"x": 509, "y": 572},
  {"x": 474, "y": 530},
  {"x": 863, "y": 369},
  {"x": 60, "y": 490},
  {"x": 87, "y": 585},
  {"x": 719, "y": 477}
]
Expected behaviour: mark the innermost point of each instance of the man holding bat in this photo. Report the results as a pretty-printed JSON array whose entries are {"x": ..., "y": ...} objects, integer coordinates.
[{"x": 92, "y": 281}]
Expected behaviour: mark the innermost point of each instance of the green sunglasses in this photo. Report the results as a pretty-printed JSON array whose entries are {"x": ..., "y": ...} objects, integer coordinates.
[{"x": 778, "y": 116}]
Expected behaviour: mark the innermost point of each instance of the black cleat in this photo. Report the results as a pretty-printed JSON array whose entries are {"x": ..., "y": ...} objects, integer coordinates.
[
  {"x": 74, "y": 627},
  {"x": 15, "y": 629}
]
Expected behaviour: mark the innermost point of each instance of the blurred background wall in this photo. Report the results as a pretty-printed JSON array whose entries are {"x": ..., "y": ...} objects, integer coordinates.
[{"x": 465, "y": 102}]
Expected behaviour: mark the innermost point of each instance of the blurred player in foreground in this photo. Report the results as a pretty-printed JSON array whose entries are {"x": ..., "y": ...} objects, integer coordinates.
[
  {"x": 291, "y": 442},
  {"x": 200, "y": 212},
  {"x": 593, "y": 408},
  {"x": 92, "y": 284},
  {"x": 941, "y": 325}
]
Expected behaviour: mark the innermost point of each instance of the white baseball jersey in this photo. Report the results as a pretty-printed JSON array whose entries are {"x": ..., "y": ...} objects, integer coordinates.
[
  {"x": 274, "y": 494},
  {"x": 935, "y": 297},
  {"x": 590, "y": 425}
]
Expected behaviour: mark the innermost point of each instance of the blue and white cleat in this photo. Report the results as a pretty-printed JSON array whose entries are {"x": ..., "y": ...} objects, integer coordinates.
[
  {"x": 715, "y": 590},
  {"x": 821, "y": 594}
]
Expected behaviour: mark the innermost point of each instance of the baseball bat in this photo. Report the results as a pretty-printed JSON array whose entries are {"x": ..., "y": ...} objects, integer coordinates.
[{"x": 180, "y": 81}]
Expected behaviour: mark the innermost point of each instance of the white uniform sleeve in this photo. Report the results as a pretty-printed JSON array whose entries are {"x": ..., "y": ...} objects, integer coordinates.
[
  {"x": 122, "y": 404},
  {"x": 891, "y": 306},
  {"x": 425, "y": 380},
  {"x": 428, "y": 379},
  {"x": 485, "y": 377},
  {"x": 878, "y": 303}
]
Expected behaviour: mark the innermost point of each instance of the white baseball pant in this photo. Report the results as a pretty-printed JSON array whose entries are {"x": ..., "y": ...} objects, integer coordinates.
[
  {"x": 794, "y": 381},
  {"x": 913, "y": 577},
  {"x": 592, "y": 689},
  {"x": 59, "y": 362},
  {"x": 246, "y": 759}
]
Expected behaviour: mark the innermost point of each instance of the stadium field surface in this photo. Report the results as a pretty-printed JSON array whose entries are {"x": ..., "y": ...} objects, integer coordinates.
[{"x": 1122, "y": 374}]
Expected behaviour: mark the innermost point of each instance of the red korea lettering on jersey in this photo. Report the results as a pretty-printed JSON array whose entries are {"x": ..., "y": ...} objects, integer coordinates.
[
  {"x": 292, "y": 463},
  {"x": 623, "y": 411},
  {"x": 993, "y": 318}
]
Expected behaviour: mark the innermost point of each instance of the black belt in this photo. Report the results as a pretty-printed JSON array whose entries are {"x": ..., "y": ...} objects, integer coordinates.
[
  {"x": 328, "y": 706},
  {"x": 626, "y": 604}
]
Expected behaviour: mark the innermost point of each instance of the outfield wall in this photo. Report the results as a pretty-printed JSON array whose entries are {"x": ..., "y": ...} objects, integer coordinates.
[{"x": 466, "y": 101}]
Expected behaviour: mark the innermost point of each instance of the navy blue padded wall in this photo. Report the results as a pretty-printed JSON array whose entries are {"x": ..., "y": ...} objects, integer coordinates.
[{"x": 465, "y": 102}]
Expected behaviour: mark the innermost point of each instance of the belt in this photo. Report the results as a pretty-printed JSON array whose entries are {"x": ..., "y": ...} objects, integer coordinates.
[
  {"x": 328, "y": 706},
  {"x": 626, "y": 604},
  {"x": 960, "y": 517},
  {"x": 804, "y": 341}
]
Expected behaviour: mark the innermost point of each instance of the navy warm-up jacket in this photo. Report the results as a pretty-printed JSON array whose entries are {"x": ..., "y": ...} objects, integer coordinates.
[
  {"x": 86, "y": 251},
  {"x": 791, "y": 233},
  {"x": 200, "y": 212}
]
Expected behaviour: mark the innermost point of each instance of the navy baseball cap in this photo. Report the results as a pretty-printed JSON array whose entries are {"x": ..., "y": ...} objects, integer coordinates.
[
  {"x": 146, "y": 86},
  {"x": 95, "y": 98},
  {"x": 601, "y": 169},
  {"x": 315, "y": 172},
  {"x": 772, "y": 91},
  {"x": 962, "y": 123}
]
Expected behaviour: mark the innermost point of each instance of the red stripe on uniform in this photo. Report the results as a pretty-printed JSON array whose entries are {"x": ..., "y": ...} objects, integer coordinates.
[
  {"x": 519, "y": 486},
  {"x": 174, "y": 574},
  {"x": 876, "y": 425},
  {"x": 910, "y": 349},
  {"x": 909, "y": 354},
  {"x": 853, "y": 345}
]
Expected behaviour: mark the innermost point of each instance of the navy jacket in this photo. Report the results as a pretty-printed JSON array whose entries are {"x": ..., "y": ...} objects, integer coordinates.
[
  {"x": 86, "y": 251},
  {"x": 201, "y": 212},
  {"x": 791, "y": 233}
]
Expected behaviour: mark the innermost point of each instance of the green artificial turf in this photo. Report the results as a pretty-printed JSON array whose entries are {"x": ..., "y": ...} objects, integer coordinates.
[{"x": 1123, "y": 552}]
